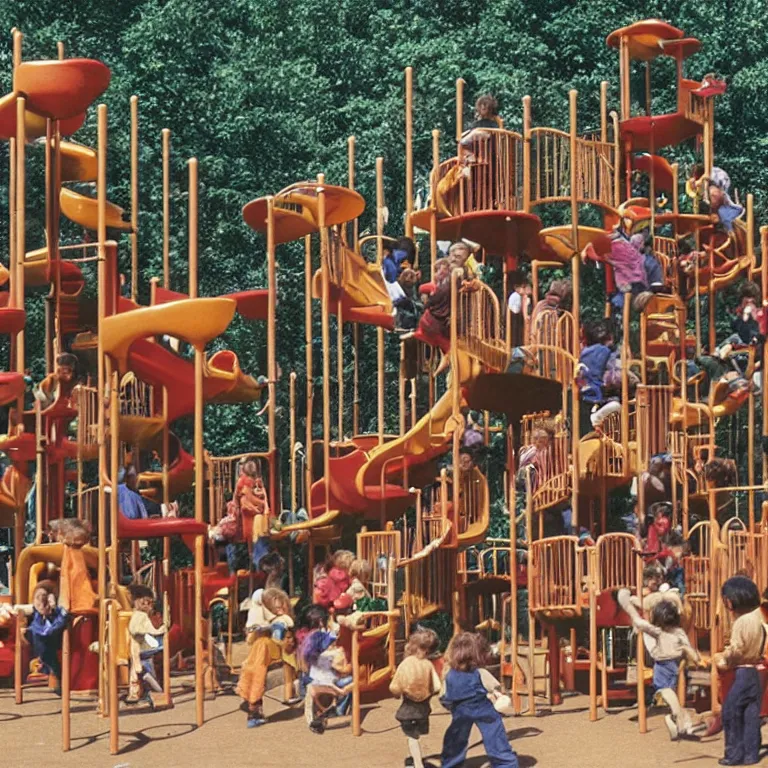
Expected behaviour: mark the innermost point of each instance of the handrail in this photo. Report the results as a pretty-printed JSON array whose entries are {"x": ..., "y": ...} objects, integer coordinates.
[{"x": 479, "y": 332}]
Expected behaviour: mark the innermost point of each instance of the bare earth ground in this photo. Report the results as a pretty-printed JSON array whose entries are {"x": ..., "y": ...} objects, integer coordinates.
[{"x": 563, "y": 737}]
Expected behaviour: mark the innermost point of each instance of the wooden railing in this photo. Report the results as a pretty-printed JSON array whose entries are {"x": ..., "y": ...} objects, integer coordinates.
[
  {"x": 595, "y": 164},
  {"x": 654, "y": 407},
  {"x": 479, "y": 332},
  {"x": 616, "y": 562},
  {"x": 86, "y": 400},
  {"x": 494, "y": 158},
  {"x": 697, "y": 568},
  {"x": 552, "y": 332},
  {"x": 382, "y": 550},
  {"x": 556, "y": 571},
  {"x": 222, "y": 473},
  {"x": 136, "y": 397},
  {"x": 550, "y": 165}
]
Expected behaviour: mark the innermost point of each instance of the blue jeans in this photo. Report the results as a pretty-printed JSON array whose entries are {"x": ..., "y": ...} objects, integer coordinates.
[
  {"x": 342, "y": 705},
  {"x": 231, "y": 551},
  {"x": 260, "y": 548},
  {"x": 47, "y": 650},
  {"x": 147, "y": 665},
  {"x": 491, "y": 726},
  {"x": 741, "y": 717}
]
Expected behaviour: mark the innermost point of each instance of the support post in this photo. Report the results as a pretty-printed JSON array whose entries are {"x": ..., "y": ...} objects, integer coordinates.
[{"x": 134, "y": 197}]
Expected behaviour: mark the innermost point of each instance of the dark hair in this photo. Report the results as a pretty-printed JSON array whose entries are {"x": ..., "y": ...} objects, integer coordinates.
[
  {"x": 598, "y": 332},
  {"x": 66, "y": 358},
  {"x": 47, "y": 585},
  {"x": 741, "y": 593},
  {"x": 665, "y": 615},
  {"x": 750, "y": 290},
  {"x": 489, "y": 101},
  {"x": 315, "y": 617},
  {"x": 406, "y": 244},
  {"x": 466, "y": 652},
  {"x": 652, "y": 571},
  {"x": 675, "y": 539},
  {"x": 139, "y": 591},
  {"x": 685, "y": 246},
  {"x": 721, "y": 472}
]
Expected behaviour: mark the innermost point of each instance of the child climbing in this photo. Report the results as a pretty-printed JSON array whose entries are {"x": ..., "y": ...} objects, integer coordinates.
[
  {"x": 146, "y": 640},
  {"x": 667, "y": 644},
  {"x": 416, "y": 681},
  {"x": 45, "y": 630},
  {"x": 465, "y": 696},
  {"x": 593, "y": 362},
  {"x": 60, "y": 383}
]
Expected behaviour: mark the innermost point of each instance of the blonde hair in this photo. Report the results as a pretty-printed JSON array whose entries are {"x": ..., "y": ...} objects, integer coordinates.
[
  {"x": 360, "y": 569},
  {"x": 251, "y": 468},
  {"x": 422, "y": 640},
  {"x": 272, "y": 598},
  {"x": 343, "y": 558}
]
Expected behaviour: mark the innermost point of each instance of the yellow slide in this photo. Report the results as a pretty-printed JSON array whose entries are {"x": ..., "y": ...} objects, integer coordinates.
[{"x": 428, "y": 438}]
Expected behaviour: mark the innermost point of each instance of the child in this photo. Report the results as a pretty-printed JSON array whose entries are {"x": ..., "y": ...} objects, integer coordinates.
[
  {"x": 360, "y": 577},
  {"x": 667, "y": 644},
  {"x": 416, "y": 681},
  {"x": 269, "y": 620},
  {"x": 60, "y": 383},
  {"x": 741, "y": 708},
  {"x": 146, "y": 640},
  {"x": 465, "y": 696},
  {"x": 332, "y": 580},
  {"x": 518, "y": 306},
  {"x": 593, "y": 362},
  {"x": 547, "y": 311},
  {"x": 45, "y": 630}
]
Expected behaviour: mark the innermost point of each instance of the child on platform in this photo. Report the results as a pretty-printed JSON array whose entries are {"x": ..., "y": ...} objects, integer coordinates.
[
  {"x": 45, "y": 631},
  {"x": 466, "y": 697},
  {"x": 593, "y": 362},
  {"x": 416, "y": 681},
  {"x": 60, "y": 383},
  {"x": 667, "y": 644},
  {"x": 360, "y": 577},
  {"x": 146, "y": 640},
  {"x": 741, "y": 708}
]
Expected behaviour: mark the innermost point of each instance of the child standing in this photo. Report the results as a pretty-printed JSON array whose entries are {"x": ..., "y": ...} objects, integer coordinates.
[
  {"x": 45, "y": 630},
  {"x": 416, "y": 681},
  {"x": 466, "y": 698},
  {"x": 146, "y": 640},
  {"x": 741, "y": 708},
  {"x": 667, "y": 644},
  {"x": 593, "y": 362}
]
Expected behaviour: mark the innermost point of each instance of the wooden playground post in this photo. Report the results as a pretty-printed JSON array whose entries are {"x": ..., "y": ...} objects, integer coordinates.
[
  {"x": 308, "y": 337},
  {"x": 764, "y": 286},
  {"x": 604, "y": 111},
  {"x": 166, "y": 134},
  {"x": 351, "y": 144},
  {"x": 325, "y": 274},
  {"x": 641, "y": 708},
  {"x": 134, "y": 197},
  {"x": 355, "y": 326},
  {"x": 21, "y": 138},
  {"x": 101, "y": 196},
  {"x": 114, "y": 551},
  {"x": 408, "y": 151},
  {"x": 575, "y": 266},
  {"x": 192, "y": 166},
  {"x": 526, "y": 156},
  {"x": 356, "y": 730},
  {"x": 592, "y": 566},
  {"x": 512, "y": 491},
  {"x": 459, "y": 131},
  {"x": 272, "y": 356},
  {"x": 66, "y": 676},
  {"x": 379, "y": 330},
  {"x": 433, "y": 194}
]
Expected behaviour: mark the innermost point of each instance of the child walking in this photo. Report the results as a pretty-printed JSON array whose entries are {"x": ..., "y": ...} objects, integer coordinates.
[
  {"x": 667, "y": 644},
  {"x": 146, "y": 640},
  {"x": 466, "y": 698},
  {"x": 416, "y": 681},
  {"x": 741, "y": 708}
]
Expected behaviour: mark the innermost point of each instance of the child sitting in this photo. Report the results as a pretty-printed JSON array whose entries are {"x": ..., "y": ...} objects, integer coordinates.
[
  {"x": 360, "y": 577},
  {"x": 60, "y": 383},
  {"x": 45, "y": 630},
  {"x": 741, "y": 708},
  {"x": 269, "y": 619},
  {"x": 465, "y": 696},
  {"x": 416, "y": 681},
  {"x": 667, "y": 644},
  {"x": 146, "y": 640},
  {"x": 434, "y": 324}
]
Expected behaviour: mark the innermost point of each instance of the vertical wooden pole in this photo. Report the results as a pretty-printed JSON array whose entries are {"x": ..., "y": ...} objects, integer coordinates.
[
  {"x": 114, "y": 563},
  {"x": 134, "y": 197},
  {"x": 355, "y": 327},
  {"x": 101, "y": 196},
  {"x": 356, "y": 729},
  {"x": 21, "y": 139},
  {"x": 408, "y": 150},
  {"x": 433, "y": 218},
  {"x": 576, "y": 282},
  {"x": 604, "y": 111},
  {"x": 308, "y": 339},
  {"x": 39, "y": 474},
  {"x": 526, "y": 154},
  {"x": 198, "y": 449},
  {"x": 166, "y": 134},
  {"x": 351, "y": 185},
  {"x": 66, "y": 670},
  {"x": 459, "y": 132},
  {"x": 325, "y": 329},
  {"x": 292, "y": 439},
  {"x": 641, "y": 708},
  {"x": 272, "y": 356},
  {"x": 381, "y": 377}
]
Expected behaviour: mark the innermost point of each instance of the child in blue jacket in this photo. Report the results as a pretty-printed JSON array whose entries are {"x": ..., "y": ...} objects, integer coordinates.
[
  {"x": 45, "y": 630},
  {"x": 465, "y": 696}
]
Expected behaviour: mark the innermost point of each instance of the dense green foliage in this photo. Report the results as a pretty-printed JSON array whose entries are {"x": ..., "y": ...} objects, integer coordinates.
[{"x": 266, "y": 92}]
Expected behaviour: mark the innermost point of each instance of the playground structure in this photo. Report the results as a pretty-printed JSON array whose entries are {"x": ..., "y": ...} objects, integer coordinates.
[{"x": 430, "y": 551}]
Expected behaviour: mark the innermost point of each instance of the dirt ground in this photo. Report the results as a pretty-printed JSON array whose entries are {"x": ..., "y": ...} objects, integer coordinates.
[{"x": 559, "y": 738}]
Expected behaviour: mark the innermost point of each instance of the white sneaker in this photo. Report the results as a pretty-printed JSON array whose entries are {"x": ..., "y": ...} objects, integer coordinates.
[
  {"x": 669, "y": 721},
  {"x": 599, "y": 416}
]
